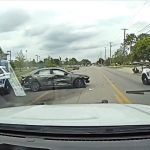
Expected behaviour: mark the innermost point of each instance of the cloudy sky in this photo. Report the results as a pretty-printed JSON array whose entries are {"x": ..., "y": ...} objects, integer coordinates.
[{"x": 80, "y": 29}]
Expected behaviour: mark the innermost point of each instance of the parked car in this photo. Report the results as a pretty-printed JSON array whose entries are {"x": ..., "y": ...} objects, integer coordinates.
[
  {"x": 5, "y": 87},
  {"x": 53, "y": 77}
]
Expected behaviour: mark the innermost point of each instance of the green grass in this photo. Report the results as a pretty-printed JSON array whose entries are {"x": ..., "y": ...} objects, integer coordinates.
[
  {"x": 130, "y": 66},
  {"x": 121, "y": 66},
  {"x": 21, "y": 72}
]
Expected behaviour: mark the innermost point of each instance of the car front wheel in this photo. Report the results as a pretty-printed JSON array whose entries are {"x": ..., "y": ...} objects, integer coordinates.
[
  {"x": 79, "y": 83},
  {"x": 35, "y": 86}
]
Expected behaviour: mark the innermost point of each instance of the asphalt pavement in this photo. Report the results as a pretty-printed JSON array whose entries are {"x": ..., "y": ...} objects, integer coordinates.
[{"x": 105, "y": 84}]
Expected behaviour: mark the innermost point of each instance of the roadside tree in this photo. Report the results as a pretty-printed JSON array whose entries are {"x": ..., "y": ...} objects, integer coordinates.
[
  {"x": 141, "y": 50},
  {"x": 20, "y": 60}
]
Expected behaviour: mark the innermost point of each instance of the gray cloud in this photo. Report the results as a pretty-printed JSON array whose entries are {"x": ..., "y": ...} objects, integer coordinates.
[
  {"x": 80, "y": 47},
  {"x": 67, "y": 35},
  {"x": 58, "y": 48},
  {"x": 37, "y": 30},
  {"x": 19, "y": 46},
  {"x": 12, "y": 19},
  {"x": 52, "y": 45},
  {"x": 64, "y": 38}
]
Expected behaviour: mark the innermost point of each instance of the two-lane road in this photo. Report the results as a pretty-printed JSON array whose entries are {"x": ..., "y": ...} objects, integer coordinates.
[
  {"x": 126, "y": 82},
  {"x": 112, "y": 84},
  {"x": 105, "y": 84}
]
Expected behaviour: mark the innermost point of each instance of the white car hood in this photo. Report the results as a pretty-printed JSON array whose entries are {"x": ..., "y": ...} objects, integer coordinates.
[{"x": 77, "y": 115}]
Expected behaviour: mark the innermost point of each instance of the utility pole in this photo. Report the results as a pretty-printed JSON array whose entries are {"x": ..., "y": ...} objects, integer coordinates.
[
  {"x": 105, "y": 53},
  {"x": 110, "y": 51},
  {"x": 124, "y": 40}
]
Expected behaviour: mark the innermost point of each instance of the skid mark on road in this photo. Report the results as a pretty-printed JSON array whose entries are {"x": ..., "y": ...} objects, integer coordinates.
[
  {"x": 121, "y": 98},
  {"x": 39, "y": 98}
]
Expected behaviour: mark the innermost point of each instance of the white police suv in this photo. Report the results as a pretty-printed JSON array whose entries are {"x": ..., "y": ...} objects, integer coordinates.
[
  {"x": 146, "y": 75},
  {"x": 5, "y": 87}
]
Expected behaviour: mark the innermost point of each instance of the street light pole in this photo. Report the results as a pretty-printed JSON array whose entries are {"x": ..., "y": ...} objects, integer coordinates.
[
  {"x": 124, "y": 39},
  {"x": 37, "y": 57},
  {"x": 124, "y": 42},
  {"x": 105, "y": 53},
  {"x": 9, "y": 54},
  {"x": 26, "y": 54},
  {"x": 110, "y": 51}
]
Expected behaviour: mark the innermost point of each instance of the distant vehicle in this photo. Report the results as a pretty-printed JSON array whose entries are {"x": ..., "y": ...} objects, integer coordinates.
[
  {"x": 135, "y": 70},
  {"x": 146, "y": 75},
  {"x": 53, "y": 77},
  {"x": 5, "y": 87},
  {"x": 135, "y": 63},
  {"x": 73, "y": 67}
]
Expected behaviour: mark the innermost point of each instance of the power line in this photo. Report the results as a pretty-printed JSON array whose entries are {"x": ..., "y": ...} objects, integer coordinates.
[
  {"x": 145, "y": 28},
  {"x": 139, "y": 11},
  {"x": 148, "y": 31},
  {"x": 146, "y": 4}
]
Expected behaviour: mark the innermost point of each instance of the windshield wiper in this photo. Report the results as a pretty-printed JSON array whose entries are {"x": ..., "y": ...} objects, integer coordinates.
[{"x": 137, "y": 92}]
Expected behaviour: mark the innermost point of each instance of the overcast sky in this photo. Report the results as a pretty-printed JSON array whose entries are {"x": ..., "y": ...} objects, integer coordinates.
[{"x": 80, "y": 29}]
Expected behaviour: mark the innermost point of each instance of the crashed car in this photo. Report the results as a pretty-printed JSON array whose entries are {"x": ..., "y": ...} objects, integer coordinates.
[{"x": 53, "y": 77}]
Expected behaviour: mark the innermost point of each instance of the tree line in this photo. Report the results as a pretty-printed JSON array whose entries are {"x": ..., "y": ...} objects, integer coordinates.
[
  {"x": 137, "y": 48},
  {"x": 20, "y": 62}
]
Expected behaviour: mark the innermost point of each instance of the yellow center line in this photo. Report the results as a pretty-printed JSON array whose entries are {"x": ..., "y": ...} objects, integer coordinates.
[{"x": 120, "y": 97}]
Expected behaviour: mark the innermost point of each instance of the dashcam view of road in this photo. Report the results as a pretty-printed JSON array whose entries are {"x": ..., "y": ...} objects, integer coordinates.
[
  {"x": 105, "y": 84},
  {"x": 78, "y": 54}
]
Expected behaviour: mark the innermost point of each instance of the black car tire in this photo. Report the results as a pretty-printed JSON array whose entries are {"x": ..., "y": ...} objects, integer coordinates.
[
  {"x": 35, "y": 86},
  {"x": 145, "y": 80},
  {"x": 7, "y": 88},
  {"x": 79, "y": 83}
]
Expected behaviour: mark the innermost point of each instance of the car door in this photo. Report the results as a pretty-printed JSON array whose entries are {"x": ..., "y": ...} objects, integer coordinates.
[
  {"x": 45, "y": 77},
  {"x": 61, "y": 78},
  {"x": 2, "y": 75}
]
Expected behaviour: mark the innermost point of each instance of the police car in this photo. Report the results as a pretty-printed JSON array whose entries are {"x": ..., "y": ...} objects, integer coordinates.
[
  {"x": 146, "y": 75},
  {"x": 5, "y": 87}
]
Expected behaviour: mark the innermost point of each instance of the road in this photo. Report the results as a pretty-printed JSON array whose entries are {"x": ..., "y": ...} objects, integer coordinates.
[{"x": 105, "y": 84}]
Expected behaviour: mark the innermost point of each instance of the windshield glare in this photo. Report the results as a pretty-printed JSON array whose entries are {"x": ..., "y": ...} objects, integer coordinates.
[{"x": 78, "y": 52}]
